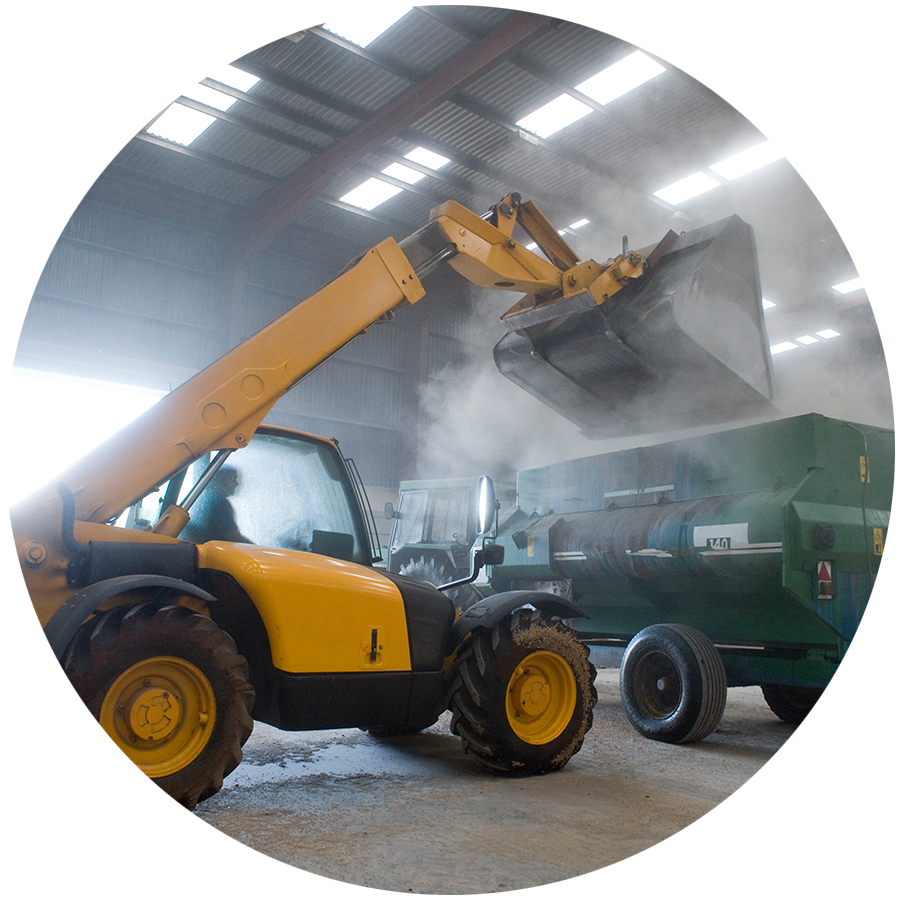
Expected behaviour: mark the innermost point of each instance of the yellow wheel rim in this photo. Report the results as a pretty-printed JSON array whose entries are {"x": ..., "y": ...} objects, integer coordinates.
[
  {"x": 161, "y": 713},
  {"x": 541, "y": 697}
]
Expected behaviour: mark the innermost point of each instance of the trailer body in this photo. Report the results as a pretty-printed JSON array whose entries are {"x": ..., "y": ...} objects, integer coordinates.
[{"x": 765, "y": 538}]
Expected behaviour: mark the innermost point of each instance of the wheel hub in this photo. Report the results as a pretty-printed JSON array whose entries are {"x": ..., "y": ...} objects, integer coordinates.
[
  {"x": 531, "y": 693},
  {"x": 657, "y": 685},
  {"x": 161, "y": 712},
  {"x": 540, "y": 697},
  {"x": 154, "y": 714}
]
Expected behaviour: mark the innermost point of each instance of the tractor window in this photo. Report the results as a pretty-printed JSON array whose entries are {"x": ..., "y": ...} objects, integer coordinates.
[
  {"x": 409, "y": 519},
  {"x": 433, "y": 516},
  {"x": 280, "y": 491},
  {"x": 448, "y": 516}
]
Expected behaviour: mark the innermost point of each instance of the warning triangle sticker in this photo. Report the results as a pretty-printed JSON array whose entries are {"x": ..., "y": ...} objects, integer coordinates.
[{"x": 824, "y": 571}]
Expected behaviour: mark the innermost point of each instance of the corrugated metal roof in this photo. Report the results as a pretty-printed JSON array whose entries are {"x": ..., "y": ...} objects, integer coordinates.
[{"x": 319, "y": 91}]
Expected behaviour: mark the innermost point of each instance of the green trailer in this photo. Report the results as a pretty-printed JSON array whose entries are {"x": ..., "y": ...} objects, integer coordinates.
[{"x": 741, "y": 557}]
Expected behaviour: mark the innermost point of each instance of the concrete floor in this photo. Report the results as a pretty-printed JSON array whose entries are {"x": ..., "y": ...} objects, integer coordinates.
[{"x": 759, "y": 807}]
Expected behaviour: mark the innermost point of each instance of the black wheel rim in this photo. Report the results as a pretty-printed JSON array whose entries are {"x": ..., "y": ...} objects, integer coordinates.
[{"x": 657, "y": 685}]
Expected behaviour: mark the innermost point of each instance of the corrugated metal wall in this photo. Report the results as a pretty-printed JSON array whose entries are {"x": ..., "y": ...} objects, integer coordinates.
[{"x": 125, "y": 294}]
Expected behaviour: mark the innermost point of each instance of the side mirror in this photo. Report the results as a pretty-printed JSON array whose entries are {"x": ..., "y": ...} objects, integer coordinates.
[
  {"x": 389, "y": 512},
  {"x": 489, "y": 555},
  {"x": 487, "y": 504}
]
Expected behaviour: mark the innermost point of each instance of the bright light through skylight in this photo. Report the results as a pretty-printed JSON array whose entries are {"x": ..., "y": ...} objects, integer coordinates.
[
  {"x": 695, "y": 184},
  {"x": 806, "y": 339},
  {"x": 374, "y": 192},
  {"x": 828, "y": 334},
  {"x": 554, "y": 116},
  {"x": 180, "y": 124},
  {"x": 580, "y": 223},
  {"x": 210, "y": 97},
  {"x": 782, "y": 347},
  {"x": 427, "y": 158},
  {"x": 234, "y": 77},
  {"x": 370, "y": 194},
  {"x": 747, "y": 161},
  {"x": 183, "y": 125},
  {"x": 620, "y": 77},
  {"x": 767, "y": 304},
  {"x": 847, "y": 287},
  {"x": 362, "y": 25},
  {"x": 403, "y": 173},
  {"x": 611, "y": 82}
]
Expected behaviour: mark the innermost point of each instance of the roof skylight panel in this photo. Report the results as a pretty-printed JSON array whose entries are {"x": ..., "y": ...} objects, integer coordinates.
[
  {"x": 361, "y": 26},
  {"x": 847, "y": 287},
  {"x": 183, "y": 125},
  {"x": 180, "y": 124},
  {"x": 427, "y": 158},
  {"x": 782, "y": 347},
  {"x": 403, "y": 173},
  {"x": 371, "y": 193},
  {"x": 554, "y": 116},
  {"x": 374, "y": 191},
  {"x": 731, "y": 168},
  {"x": 747, "y": 161},
  {"x": 682, "y": 190},
  {"x": 620, "y": 78},
  {"x": 606, "y": 85}
]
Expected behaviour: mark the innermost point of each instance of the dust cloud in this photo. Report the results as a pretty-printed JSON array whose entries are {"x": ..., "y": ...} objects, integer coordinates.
[{"x": 476, "y": 422}]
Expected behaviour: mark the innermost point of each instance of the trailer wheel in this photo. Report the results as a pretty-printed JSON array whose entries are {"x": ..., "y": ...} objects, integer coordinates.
[
  {"x": 18, "y": 732},
  {"x": 522, "y": 694},
  {"x": 171, "y": 690},
  {"x": 673, "y": 684},
  {"x": 790, "y": 703}
]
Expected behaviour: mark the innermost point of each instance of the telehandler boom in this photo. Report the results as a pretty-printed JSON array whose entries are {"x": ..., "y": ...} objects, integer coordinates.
[{"x": 246, "y": 591}]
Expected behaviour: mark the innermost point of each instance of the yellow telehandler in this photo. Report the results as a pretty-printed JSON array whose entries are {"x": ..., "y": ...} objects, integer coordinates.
[{"x": 200, "y": 570}]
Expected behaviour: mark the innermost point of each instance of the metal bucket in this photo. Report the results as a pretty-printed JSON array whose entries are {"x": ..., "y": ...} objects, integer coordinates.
[{"x": 682, "y": 346}]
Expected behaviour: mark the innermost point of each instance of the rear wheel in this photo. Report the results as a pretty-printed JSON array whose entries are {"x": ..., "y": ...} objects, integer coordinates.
[
  {"x": 522, "y": 695},
  {"x": 170, "y": 689},
  {"x": 673, "y": 684},
  {"x": 790, "y": 703},
  {"x": 18, "y": 732}
]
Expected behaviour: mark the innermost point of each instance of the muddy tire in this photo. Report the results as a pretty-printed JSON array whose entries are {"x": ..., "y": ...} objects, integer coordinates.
[
  {"x": 673, "y": 684},
  {"x": 791, "y": 704},
  {"x": 171, "y": 690},
  {"x": 522, "y": 695},
  {"x": 18, "y": 732}
]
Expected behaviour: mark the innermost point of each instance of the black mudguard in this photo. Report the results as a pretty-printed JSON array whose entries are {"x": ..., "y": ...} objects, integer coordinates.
[
  {"x": 488, "y": 612},
  {"x": 66, "y": 620}
]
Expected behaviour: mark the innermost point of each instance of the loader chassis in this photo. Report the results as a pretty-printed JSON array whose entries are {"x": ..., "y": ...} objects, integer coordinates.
[{"x": 198, "y": 570}]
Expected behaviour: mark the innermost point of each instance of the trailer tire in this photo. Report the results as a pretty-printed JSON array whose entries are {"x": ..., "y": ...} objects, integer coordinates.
[
  {"x": 18, "y": 732},
  {"x": 673, "y": 684},
  {"x": 790, "y": 703},
  {"x": 522, "y": 694},
  {"x": 171, "y": 690}
]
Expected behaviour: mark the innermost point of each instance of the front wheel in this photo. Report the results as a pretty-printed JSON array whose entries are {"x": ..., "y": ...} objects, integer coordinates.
[
  {"x": 170, "y": 689},
  {"x": 673, "y": 684},
  {"x": 791, "y": 704},
  {"x": 522, "y": 695}
]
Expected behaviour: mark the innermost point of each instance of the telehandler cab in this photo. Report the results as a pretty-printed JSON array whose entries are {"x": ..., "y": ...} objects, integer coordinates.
[{"x": 185, "y": 597}]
